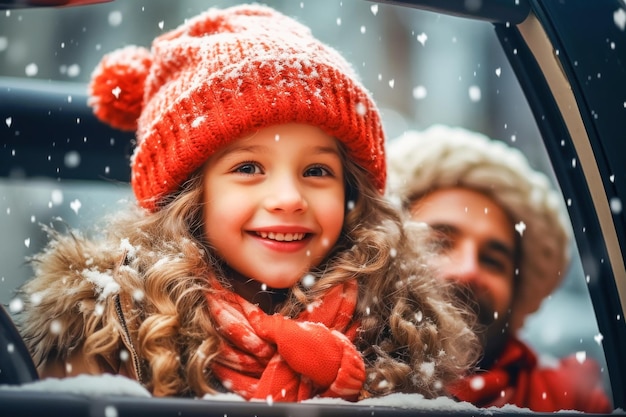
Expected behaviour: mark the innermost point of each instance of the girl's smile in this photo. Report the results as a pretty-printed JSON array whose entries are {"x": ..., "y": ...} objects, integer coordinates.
[
  {"x": 274, "y": 202},
  {"x": 284, "y": 238}
]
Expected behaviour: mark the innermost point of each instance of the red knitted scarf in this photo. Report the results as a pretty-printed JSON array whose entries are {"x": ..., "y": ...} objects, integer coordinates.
[{"x": 274, "y": 358}]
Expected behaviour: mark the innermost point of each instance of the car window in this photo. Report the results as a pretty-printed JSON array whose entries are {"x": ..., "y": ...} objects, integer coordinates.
[{"x": 422, "y": 68}]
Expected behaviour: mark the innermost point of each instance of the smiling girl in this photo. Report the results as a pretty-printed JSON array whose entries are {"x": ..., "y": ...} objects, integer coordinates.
[
  {"x": 275, "y": 205},
  {"x": 261, "y": 257}
]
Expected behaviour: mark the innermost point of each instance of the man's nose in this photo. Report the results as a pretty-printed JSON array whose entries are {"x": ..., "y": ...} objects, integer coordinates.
[{"x": 463, "y": 264}]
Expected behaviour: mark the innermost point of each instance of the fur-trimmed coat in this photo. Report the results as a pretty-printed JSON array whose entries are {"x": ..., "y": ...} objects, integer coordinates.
[
  {"x": 134, "y": 299},
  {"x": 76, "y": 291}
]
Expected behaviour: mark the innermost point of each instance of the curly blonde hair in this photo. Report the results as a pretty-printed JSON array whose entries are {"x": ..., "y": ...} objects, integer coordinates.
[{"x": 414, "y": 335}]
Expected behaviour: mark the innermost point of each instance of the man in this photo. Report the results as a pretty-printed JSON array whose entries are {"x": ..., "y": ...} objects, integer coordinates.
[{"x": 504, "y": 236}]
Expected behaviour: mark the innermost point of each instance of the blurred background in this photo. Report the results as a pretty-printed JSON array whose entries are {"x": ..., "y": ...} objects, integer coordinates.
[{"x": 421, "y": 67}]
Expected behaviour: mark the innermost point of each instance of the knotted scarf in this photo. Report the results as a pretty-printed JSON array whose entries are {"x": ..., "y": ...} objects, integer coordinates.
[{"x": 272, "y": 357}]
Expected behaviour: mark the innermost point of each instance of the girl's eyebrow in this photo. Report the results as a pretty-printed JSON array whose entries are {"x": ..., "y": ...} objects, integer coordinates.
[
  {"x": 244, "y": 148},
  {"x": 234, "y": 150},
  {"x": 316, "y": 150},
  {"x": 326, "y": 150}
]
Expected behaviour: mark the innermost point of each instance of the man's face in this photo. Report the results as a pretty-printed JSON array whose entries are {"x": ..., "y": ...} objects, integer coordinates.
[{"x": 477, "y": 242}]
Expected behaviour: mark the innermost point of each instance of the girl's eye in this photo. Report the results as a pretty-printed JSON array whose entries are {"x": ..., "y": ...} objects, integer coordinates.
[
  {"x": 317, "y": 171},
  {"x": 248, "y": 168}
]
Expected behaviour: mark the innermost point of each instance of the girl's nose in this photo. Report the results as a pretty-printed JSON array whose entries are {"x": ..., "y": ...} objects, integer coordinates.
[{"x": 285, "y": 195}]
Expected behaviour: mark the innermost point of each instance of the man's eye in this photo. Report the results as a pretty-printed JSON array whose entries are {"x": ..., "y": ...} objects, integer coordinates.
[
  {"x": 446, "y": 242},
  {"x": 494, "y": 263},
  {"x": 317, "y": 171},
  {"x": 248, "y": 168},
  {"x": 440, "y": 242},
  {"x": 439, "y": 238}
]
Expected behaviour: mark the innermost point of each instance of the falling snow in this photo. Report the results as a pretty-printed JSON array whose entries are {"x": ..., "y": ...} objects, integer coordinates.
[
  {"x": 56, "y": 327},
  {"x": 420, "y": 92},
  {"x": 474, "y": 93},
  {"x": 31, "y": 70},
  {"x": 619, "y": 17},
  {"x": 110, "y": 411},
  {"x": 361, "y": 109},
  {"x": 75, "y": 205},
  {"x": 520, "y": 228},
  {"x": 616, "y": 205},
  {"x": 308, "y": 280},
  {"x": 477, "y": 383},
  {"x": 115, "y": 18},
  {"x": 56, "y": 197},
  {"x": 598, "y": 338},
  {"x": 71, "y": 71},
  {"x": 16, "y": 305},
  {"x": 72, "y": 159},
  {"x": 419, "y": 316}
]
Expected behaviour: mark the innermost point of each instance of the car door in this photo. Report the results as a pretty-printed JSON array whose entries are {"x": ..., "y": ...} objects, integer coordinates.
[{"x": 572, "y": 79}]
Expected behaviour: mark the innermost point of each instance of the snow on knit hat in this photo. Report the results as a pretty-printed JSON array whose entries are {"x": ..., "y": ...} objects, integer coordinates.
[
  {"x": 221, "y": 75},
  {"x": 441, "y": 156}
]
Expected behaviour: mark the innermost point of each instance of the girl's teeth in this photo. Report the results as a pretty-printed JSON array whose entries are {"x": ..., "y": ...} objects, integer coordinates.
[{"x": 282, "y": 237}]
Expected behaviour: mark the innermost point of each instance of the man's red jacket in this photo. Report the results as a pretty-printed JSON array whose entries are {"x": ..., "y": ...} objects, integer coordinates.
[{"x": 517, "y": 379}]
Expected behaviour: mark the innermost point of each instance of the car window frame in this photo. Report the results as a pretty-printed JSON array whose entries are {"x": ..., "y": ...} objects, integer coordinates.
[{"x": 599, "y": 233}]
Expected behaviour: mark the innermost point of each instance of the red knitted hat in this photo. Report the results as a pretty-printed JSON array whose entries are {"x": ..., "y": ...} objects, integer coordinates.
[{"x": 220, "y": 76}]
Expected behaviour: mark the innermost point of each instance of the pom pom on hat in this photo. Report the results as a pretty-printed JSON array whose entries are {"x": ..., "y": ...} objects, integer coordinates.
[
  {"x": 116, "y": 92},
  {"x": 223, "y": 74},
  {"x": 442, "y": 156}
]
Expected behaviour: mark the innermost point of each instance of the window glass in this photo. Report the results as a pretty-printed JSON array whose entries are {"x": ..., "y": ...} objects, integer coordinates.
[{"x": 421, "y": 67}]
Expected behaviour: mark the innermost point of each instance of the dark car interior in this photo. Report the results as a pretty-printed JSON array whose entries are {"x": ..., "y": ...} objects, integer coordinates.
[{"x": 576, "y": 93}]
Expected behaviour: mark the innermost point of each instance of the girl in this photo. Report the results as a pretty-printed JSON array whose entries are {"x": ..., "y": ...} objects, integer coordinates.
[{"x": 262, "y": 258}]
